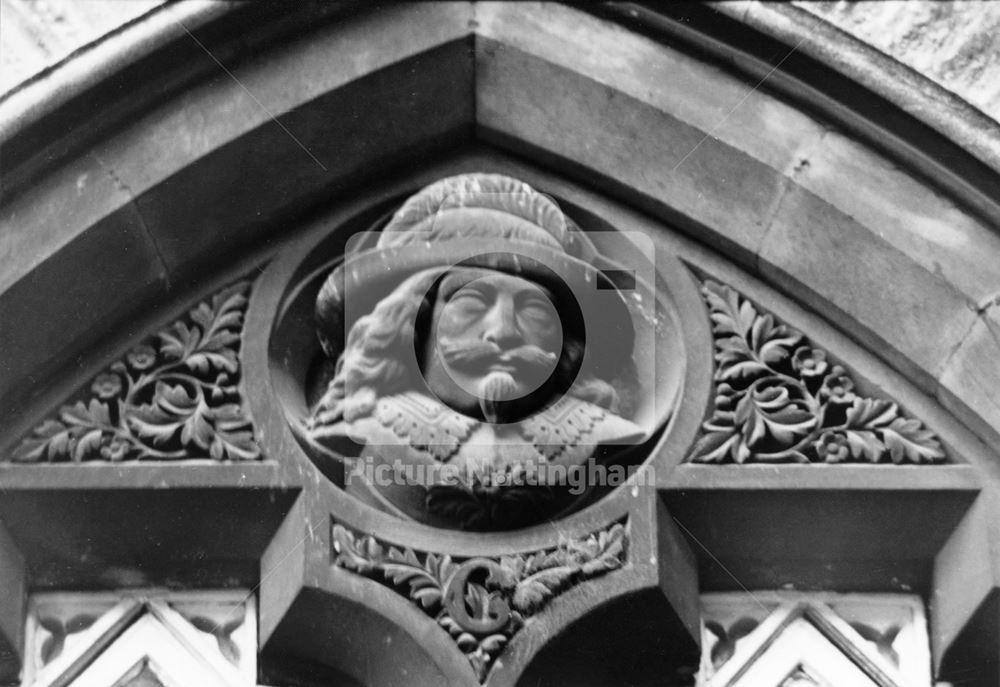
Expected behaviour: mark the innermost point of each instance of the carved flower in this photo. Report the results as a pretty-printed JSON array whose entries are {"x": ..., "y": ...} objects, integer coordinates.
[
  {"x": 832, "y": 447},
  {"x": 107, "y": 385},
  {"x": 115, "y": 451},
  {"x": 809, "y": 362},
  {"x": 838, "y": 387},
  {"x": 141, "y": 357}
]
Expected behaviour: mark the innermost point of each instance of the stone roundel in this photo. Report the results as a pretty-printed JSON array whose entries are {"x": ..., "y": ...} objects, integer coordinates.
[{"x": 669, "y": 321}]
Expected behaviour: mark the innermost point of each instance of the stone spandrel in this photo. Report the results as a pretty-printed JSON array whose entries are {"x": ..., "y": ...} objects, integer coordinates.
[
  {"x": 482, "y": 602},
  {"x": 173, "y": 397},
  {"x": 779, "y": 398}
]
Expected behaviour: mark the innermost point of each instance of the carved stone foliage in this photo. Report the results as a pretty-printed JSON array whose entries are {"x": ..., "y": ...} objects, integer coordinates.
[
  {"x": 778, "y": 398},
  {"x": 173, "y": 397},
  {"x": 482, "y": 602}
]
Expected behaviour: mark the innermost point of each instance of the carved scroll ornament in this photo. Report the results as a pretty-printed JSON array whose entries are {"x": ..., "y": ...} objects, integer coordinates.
[
  {"x": 173, "y": 397},
  {"x": 779, "y": 399},
  {"x": 482, "y": 602}
]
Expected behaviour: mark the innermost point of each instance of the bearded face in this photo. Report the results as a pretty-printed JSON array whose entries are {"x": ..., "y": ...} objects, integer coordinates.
[{"x": 493, "y": 344}]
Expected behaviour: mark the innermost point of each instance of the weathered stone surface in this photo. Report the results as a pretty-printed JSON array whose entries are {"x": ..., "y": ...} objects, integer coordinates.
[
  {"x": 881, "y": 526},
  {"x": 69, "y": 301},
  {"x": 77, "y": 195},
  {"x": 82, "y": 221},
  {"x": 970, "y": 381},
  {"x": 824, "y": 249},
  {"x": 905, "y": 213},
  {"x": 886, "y": 301},
  {"x": 336, "y": 145},
  {"x": 956, "y": 44},
  {"x": 947, "y": 42},
  {"x": 207, "y": 535},
  {"x": 34, "y": 34},
  {"x": 719, "y": 194},
  {"x": 14, "y": 583},
  {"x": 698, "y": 93},
  {"x": 964, "y": 629},
  {"x": 287, "y": 85}
]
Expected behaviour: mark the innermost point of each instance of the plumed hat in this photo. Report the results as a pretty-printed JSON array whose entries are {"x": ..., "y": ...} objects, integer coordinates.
[{"x": 481, "y": 220}]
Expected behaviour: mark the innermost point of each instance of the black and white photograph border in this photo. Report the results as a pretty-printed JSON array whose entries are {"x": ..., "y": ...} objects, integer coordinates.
[{"x": 499, "y": 343}]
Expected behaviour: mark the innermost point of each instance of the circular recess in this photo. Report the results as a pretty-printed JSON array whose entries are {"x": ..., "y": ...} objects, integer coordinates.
[{"x": 663, "y": 309}]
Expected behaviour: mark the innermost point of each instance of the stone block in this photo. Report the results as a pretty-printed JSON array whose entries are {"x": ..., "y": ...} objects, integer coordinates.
[
  {"x": 13, "y": 583},
  {"x": 339, "y": 141},
  {"x": 974, "y": 659},
  {"x": 909, "y": 316},
  {"x": 906, "y": 213},
  {"x": 970, "y": 381},
  {"x": 699, "y": 93},
  {"x": 276, "y": 82},
  {"x": 130, "y": 537},
  {"x": 36, "y": 224},
  {"x": 627, "y": 147},
  {"x": 966, "y": 576},
  {"x": 67, "y": 304},
  {"x": 847, "y": 539}
]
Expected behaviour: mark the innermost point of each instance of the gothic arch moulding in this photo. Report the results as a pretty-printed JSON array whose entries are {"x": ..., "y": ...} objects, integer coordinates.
[{"x": 830, "y": 260}]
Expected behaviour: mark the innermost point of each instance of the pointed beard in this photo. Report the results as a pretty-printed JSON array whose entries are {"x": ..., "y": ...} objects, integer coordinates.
[{"x": 495, "y": 393}]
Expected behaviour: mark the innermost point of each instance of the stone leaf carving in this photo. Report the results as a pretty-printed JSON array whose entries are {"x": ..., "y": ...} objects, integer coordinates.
[
  {"x": 482, "y": 602},
  {"x": 173, "y": 397},
  {"x": 779, "y": 399}
]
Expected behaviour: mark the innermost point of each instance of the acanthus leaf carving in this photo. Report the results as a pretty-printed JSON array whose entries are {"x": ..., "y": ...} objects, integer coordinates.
[
  {"x": 482, "y": 602},
  {"x": 173, "y": 397},
  {"x": 779, "y": 399}
]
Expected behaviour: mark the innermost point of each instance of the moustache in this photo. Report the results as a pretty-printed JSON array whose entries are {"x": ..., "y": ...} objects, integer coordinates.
[{"x": 479, "y": 354}]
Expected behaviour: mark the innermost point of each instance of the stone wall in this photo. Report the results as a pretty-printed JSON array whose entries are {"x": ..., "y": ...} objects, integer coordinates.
[
  {"x": 956, "y": 44},
  {"x": 35, "y": 34}
]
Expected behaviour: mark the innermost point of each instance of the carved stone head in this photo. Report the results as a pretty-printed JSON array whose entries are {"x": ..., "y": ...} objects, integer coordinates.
[
  {"x": 485, "y": 236},
  {"x": 480, "y": 315}
]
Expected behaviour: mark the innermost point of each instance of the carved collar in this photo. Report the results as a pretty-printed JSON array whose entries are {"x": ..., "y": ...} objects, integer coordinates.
[{"x": 428, "y": 425}]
